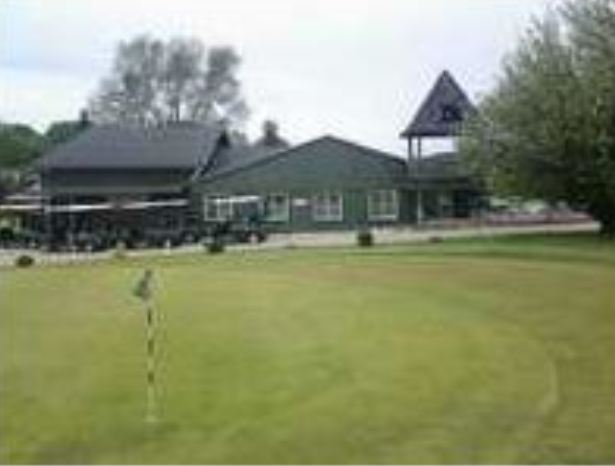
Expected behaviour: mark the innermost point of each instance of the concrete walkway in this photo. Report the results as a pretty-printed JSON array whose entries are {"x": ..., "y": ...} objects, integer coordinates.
[
  {"x": 409, "y": 235},
  {"x": 399, "y": 235}
]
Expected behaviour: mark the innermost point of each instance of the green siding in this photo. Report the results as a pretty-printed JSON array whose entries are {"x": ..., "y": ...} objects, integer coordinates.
[
  {"x": 114, "y": 181},
  {"x": 329, "y": 164},
  {"x": 326, "y": 164},
  {"x": 354, "y": 207}
]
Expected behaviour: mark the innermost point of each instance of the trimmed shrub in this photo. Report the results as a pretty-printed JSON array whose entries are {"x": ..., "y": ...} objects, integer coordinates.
[
  {"x": 365, "y": 238},
  {"x": 120, "y": 250},
  {"x": 216, "y": 245},
  {"x": 24, "y": 261}
]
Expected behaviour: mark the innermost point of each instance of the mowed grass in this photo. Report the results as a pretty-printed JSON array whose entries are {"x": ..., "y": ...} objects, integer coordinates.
[{"x": 491, "y": 351}]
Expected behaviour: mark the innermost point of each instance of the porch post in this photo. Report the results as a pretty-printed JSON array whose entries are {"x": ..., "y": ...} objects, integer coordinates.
[
  {"x": 71, "y": 224},
  {"x": 419, "y": 192},
  {"x": 48, "y": 220}
]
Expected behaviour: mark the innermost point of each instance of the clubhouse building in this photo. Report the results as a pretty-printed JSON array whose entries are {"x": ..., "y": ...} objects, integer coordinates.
[{"x": 186, "y": 177}]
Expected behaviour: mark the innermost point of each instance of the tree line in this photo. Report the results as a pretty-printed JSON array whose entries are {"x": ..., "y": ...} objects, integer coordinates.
[
  {"x": 547, "y": 129},
  {"x": 21, "y": 145}
]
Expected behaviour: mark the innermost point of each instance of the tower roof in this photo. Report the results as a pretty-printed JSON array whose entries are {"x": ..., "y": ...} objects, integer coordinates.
[{"x": 444, "y": 108}]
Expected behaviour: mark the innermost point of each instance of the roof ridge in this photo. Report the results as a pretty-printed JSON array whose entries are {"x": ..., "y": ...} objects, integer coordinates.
[
  {"x": 282, "y": 153},
  {"x": 369, "y": 151}
]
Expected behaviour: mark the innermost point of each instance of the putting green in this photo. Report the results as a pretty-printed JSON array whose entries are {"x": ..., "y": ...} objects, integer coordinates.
[{"x": 433, "y": 354}]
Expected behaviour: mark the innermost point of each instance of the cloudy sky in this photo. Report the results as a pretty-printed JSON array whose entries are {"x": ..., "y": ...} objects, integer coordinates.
[{"x": 354, "y": 68}]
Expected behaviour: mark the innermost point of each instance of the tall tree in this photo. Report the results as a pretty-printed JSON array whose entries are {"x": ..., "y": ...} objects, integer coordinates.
[
  {"x": 155, "y": 82},
  {"x": 20, "y": 145},
  {"x": 547, "y": 130}
]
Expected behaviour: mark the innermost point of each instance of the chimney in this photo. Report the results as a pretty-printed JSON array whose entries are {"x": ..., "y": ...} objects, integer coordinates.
[
  {"x": 84, "y": 118},
  {"x": 270, "y": 132}
]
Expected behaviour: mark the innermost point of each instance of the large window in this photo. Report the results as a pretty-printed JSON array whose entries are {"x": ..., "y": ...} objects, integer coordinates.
[
  {"x": 328, "y": 206},
  {"x": 217, "y": 208},
  {"x": 382, "y": 204},
  {"x": 276, "y": 208}
]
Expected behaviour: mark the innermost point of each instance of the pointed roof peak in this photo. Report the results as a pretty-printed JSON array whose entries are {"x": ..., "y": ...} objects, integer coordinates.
[{"x": 442, "y": 111}]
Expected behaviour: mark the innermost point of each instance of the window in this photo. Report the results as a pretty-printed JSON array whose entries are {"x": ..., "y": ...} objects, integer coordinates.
[
  {"x": 382, "y": 204},
  {"x": 445, "y": 204},
  {"x": 217, "y": 208},
  {"x": 450, "y": 113},
  {"x": 167, "y": 221},
  {"x": 276, "y": 208},
  {"x": 328, "y": 207}
]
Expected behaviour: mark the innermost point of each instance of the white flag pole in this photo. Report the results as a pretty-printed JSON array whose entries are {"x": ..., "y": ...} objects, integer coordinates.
[
  {"x": 143, "y": 290},
  {"x": 151, "y": 409}
]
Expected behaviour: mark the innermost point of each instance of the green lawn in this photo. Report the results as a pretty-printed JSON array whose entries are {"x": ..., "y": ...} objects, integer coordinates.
[{"x": 460, "y": 352}]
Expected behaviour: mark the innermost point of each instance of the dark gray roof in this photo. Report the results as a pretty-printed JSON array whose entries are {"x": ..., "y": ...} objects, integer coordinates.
[
  {"x": 233, "y": 157},
  {"x": 239, "y": 158},
  {"x": 323, "y": 162},
  {"x": 181, "y": 145},
  {"x": 441, "y": 113}
]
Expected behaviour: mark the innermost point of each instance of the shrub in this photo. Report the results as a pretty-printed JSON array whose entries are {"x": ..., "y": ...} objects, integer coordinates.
[
  {"x": 120, "y": 250},
  {"x": 365, "y": 238},
  {"x": 24, "y": 261},
  {"x": 435, "y": 239},
  {"x": 216, "y": 245}
]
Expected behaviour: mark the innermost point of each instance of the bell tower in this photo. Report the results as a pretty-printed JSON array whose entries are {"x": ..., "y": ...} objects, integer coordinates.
[{"x": 439, "y": 116}]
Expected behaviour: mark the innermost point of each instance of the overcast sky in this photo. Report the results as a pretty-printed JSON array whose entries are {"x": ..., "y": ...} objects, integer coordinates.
[{"x": 354, "y": 68}]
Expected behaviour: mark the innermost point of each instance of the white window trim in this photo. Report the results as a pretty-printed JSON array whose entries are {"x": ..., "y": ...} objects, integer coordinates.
[
  {"x": 286, "y": 217},
  {"x": 328, "y": 218},
  {"x": 207, "y": 199},
  {"x": 371, "y": 215}
]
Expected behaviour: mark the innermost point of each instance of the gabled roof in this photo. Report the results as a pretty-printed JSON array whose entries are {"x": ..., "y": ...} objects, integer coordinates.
[
  {"x": 321, "y": 147},
  {"x": 440, "y": 114},
  {"x": 234, "y": 155},
  {"x": 177, "y": 146}
]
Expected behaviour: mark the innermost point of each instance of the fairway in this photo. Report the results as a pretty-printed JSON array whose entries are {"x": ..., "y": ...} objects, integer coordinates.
[{"x": 499, "y": 351}]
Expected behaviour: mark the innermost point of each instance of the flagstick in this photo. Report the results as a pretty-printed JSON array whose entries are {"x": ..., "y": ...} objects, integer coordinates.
[
  {"x": 143, "y": 291},
  {"x": 150, "y": 416}
]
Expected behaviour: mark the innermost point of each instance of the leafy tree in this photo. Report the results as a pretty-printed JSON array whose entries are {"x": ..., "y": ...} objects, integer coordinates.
[
  {"x": 19, "y": 145},
  {"x": 155, "y": 82},
  {"x": 547, "y": 130},
  {"x": 59, "y": 132}
]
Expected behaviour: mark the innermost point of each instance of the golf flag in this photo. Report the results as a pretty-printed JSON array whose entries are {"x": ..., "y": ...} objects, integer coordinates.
[{"x": 143, "y": 289}]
